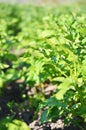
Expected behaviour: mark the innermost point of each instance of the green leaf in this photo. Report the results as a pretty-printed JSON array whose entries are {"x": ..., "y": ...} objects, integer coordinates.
[
  {"x": 17, "y": 125},
  {"x": 44, "y": 116},
  {"x": 63, "y": 87},
  {"x": 12, "y": 74},
  {"x": 46, "y": 34},
  {"x": 1, "y": 82}
]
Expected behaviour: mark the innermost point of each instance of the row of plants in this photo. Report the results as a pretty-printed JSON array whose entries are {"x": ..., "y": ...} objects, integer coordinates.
[{"x": 46, "y": 43}]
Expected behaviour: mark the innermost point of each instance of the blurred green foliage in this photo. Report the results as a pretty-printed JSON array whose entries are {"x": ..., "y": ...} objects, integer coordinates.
[{"x": 9, "y": 124}]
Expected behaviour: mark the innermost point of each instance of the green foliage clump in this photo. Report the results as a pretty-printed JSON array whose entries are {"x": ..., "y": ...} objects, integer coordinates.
[{"x": 9, "y": 124}]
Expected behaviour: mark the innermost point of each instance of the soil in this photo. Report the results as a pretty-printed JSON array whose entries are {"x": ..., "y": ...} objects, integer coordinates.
[{"x": 13, "y": 94}]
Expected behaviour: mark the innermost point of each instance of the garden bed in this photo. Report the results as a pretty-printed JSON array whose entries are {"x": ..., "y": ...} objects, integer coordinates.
[{"x": 42, "y": 67}]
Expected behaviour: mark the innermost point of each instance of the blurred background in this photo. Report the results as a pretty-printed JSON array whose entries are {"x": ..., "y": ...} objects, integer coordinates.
[{"x": 42, "y": 2}]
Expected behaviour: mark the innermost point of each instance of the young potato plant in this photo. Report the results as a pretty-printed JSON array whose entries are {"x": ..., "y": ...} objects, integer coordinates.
[
  {"x": 7, "y": 44},
  {"x": 66, "y": 59},
  {"x": 58, "y": 53}
]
